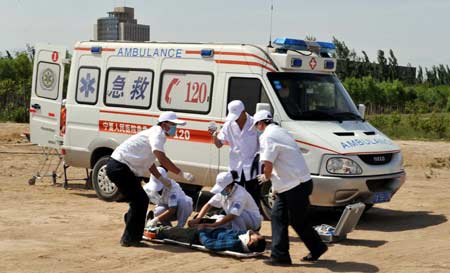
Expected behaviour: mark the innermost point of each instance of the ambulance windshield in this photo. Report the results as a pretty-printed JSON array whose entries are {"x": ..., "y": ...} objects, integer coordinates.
[{"x": 306, "y": 96}]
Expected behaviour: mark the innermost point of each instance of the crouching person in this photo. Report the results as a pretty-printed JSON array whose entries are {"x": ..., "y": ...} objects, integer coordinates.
[
  {"x": 219, "y": 239},
  {"x": 242, "y": 213},
  {"x": 172, "y": 204}
]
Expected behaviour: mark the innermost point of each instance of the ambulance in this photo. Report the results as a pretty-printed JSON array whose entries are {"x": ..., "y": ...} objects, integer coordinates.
[{"x": 116, "y": 89}]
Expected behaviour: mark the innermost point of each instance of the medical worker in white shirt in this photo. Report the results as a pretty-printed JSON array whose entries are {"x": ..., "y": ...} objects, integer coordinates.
[
  {"x": 285, "y": 167},
  {"x": 131, "y": 161},
  {"x": 242, "y": 213},
  {"x": 243, "y": 141},
  {"x": 171, "y": 205}
]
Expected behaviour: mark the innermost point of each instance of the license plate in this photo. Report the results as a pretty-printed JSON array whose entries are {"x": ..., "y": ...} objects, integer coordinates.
[{"x": 381, "y": 197}]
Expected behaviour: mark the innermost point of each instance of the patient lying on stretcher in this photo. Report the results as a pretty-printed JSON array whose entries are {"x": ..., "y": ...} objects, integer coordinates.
[{"x": 218, "y": 239}]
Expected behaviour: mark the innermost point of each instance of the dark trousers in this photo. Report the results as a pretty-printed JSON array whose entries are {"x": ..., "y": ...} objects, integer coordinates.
[
  {"x": 252, "y": 186},
  {"x": 291, "y": 207},
  {"x": 130, "y": 186}
]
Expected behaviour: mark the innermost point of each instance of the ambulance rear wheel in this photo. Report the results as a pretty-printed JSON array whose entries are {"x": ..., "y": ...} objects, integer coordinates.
[
  {"x": 267, "y": 200},
  {"x": 104, "y": 188}
]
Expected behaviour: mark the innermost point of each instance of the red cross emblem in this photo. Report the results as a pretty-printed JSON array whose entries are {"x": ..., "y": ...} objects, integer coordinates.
[{"x": 313, "y": 63}]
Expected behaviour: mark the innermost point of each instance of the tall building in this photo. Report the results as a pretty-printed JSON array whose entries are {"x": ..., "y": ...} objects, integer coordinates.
[{"x": 121, "y": 25}]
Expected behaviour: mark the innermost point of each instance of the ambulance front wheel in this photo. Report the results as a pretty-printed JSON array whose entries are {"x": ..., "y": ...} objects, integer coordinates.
[
  {"x": 267, "y": 200},
  {"x": 104, "y": 188}
]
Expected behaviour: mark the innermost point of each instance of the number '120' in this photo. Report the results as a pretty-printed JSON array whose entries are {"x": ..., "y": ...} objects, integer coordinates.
[{"x": 196, "y": 92}]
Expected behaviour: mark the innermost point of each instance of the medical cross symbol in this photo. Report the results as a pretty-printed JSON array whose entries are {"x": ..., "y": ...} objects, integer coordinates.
[
  {"x": 87, "y": 85},
  {"x": 313, "y": 63},
  {"x": 139, "y": 87}
]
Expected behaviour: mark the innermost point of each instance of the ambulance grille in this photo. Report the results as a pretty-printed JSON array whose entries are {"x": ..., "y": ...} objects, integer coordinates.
[{"x": 376, "y": 159}]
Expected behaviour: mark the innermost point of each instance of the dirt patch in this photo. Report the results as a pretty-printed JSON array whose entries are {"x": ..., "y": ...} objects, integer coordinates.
[{"x": 46, "y": 228}]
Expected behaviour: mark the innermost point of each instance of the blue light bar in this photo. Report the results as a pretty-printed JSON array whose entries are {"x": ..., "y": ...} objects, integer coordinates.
[
  {"x": 207, "y": 52},
  {"x": 296, "y": 62},
  {"x": 328, "y": 64},
  {"x": 289, "y": 43},
  {"x": 326, "y": 47},
  {"x": 96, "y": 49}
]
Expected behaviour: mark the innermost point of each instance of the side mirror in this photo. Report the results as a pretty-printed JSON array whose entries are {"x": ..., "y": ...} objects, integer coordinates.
[
  {"x": 362, "y": 110},
  {"x": 263, "y": 106}
]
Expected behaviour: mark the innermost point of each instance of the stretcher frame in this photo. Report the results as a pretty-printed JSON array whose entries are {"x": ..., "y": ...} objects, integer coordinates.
[{"x": 238, "y": 255}]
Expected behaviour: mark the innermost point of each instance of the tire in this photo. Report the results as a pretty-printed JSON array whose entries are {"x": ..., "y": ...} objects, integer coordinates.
[
  {"x": 104, "y": 188},
  {"x": 266, "y": 201}
]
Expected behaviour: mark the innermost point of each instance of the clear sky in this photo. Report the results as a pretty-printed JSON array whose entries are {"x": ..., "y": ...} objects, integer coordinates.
[{"x": 417, "y": 31}]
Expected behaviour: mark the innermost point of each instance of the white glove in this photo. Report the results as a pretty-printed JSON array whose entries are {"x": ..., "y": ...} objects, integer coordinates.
[
  {"x": 153, "y": 222},
  {"x": 212, "y": 128},
  {"x": 188, "y": 176},
  {"x": 166, "y": 182},
  {"x": 262, "y": 178}
]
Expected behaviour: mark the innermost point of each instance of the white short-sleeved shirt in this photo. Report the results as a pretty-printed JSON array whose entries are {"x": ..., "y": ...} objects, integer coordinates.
[
  {"x": 243, "y": 145},
  {"x": 238, "y": 201},
  {"x": 289, "y": 166},
  {"x": 137, "y": 151},
  {"x": 170, "y": 197}
]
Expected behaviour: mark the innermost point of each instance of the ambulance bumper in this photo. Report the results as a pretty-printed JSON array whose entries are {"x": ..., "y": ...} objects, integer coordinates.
[{"x": 332, "y": 191}]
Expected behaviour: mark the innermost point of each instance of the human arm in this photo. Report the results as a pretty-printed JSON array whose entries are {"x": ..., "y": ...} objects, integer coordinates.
[
  {"x": 224, "y": 220},
  {"x": 166, "y": 214},
  {"x": 267, "y": 172},
  {"x": 200, "y": 215}
]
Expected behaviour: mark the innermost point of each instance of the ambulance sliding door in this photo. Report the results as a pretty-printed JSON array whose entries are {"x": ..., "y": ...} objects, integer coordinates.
[
  {"x": 47, "y": 94},
  {"x": 189, "y": 88}
]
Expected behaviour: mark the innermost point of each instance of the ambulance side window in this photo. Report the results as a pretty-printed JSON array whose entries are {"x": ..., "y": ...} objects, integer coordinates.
[
  {"x": 127, "y": 87},
  {"x": 87, "y": 85},
  {"x": 249, "y": 90},
  {"x": 186, "y": 91},
  {"x": 47, "y": 80}
]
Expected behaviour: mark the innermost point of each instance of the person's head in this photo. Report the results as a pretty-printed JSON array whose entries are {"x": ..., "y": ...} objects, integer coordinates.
[
  {"x": 154, "y": 184},
  {"x": 261, "y": 119},
  {"x": 257, "y": 242},
  {"x": 224, "y": 183},
  {"x": 168, "y": 122},
  {"x": 236, "y": 111}
]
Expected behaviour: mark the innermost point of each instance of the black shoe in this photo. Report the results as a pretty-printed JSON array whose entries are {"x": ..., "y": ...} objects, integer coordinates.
[
  {"x": 150, "y": 215},
  {"x": 278, "y": 262},
  {"x": 126, "y": 243},
  {"x": 312, "y": 258}
]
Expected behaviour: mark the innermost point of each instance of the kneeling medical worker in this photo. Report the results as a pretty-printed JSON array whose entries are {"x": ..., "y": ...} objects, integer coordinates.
[
  {"x": 173, "y": 204},
  {"x": 242, "y": 213}
]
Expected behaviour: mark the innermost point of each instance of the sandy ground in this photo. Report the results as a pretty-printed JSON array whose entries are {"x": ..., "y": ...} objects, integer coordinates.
[{"x": 45, "y": 228}]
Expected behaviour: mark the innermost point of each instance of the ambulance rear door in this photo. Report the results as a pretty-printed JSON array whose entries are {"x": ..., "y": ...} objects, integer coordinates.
[{"x": 47, "y": 94}]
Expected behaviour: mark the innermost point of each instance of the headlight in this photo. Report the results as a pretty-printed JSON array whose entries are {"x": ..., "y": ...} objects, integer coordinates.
[{"x": 340, "y": 165}]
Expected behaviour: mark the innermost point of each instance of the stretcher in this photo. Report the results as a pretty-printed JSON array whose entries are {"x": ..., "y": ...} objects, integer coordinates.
[{"x": 233, "y": 254}]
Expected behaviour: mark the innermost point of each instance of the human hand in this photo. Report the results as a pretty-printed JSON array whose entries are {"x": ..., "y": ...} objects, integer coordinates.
[
  {"x": 153, "y": 222},
  {"x": 188, "y": 176},
  {"x": 212, "y": 128},
  {"x": 193, "y": 222},
  {"x": 262, "y": 178}
]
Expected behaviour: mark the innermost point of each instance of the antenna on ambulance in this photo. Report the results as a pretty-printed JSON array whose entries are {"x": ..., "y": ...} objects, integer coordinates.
[{"x": 270, "y": 31}]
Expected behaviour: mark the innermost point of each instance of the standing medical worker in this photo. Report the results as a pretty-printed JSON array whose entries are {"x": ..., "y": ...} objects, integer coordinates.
[
  {"x": 131, "y": 161},
  {"x": 173, "y": 204},
  {"x": 244, "y": 146},
  {"x": 285, "y": 166}
]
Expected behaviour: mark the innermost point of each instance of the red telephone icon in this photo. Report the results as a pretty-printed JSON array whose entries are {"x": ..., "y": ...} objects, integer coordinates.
[{"x": 174, "y": 82}]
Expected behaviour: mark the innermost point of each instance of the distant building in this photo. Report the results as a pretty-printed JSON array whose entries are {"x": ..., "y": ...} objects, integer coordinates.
[{"x": 121, "y": 25}]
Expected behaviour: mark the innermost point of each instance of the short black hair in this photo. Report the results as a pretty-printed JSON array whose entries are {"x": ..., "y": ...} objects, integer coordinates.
[
  {"x": 258, "y": 246},
  {"x": 234, "y": 174}
]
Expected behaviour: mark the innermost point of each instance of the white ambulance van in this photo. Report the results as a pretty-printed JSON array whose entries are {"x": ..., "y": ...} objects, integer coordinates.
[{"x": 116, "y": 89}]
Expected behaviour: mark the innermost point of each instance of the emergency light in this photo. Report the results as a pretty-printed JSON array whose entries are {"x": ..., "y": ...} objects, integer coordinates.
[
  {"x": 96, "y": 49},
  {"x": 207, "y": 52},
  {"x": 328, "y": 64},
  {"x": 297, "y": 44},
  {"x": 296, "y": 62}
]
